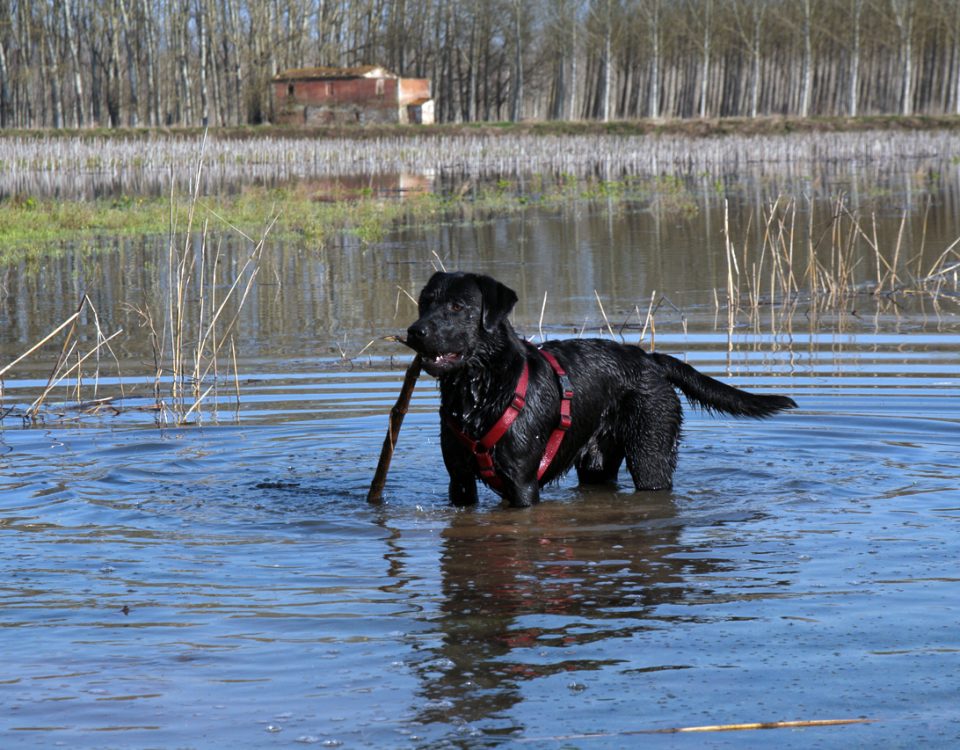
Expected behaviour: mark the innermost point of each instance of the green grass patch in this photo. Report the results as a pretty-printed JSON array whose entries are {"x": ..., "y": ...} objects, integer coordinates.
[{"x": 33, "y": 227}]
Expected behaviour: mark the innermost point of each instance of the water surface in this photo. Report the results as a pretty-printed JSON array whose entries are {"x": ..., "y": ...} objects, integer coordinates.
[{"x": 224, "y": 583}]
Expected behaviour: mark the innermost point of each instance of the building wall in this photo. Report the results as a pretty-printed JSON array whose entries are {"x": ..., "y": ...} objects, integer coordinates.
[
  {"x": 346, "y": 100},
  {"x": 412, "y": 89}
]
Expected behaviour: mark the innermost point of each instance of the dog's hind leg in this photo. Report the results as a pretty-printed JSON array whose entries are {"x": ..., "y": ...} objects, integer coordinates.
[
  {"x": 649, "y": 424},
  {"x": 600, "y": 461}
]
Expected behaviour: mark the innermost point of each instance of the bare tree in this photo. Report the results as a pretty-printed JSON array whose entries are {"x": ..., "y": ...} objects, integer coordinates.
[
  {"x": 806, "y": 85},
  {"x": 516, "y": 94},
  {"x": 903, "y": 15},
  {"x": 749, "y": 15},
  {"x": 856, "y": 12},
  {"x": 651, "y": 11},
  {"x": 73, "y": 43},
  {"x": 83, "y": 62}
]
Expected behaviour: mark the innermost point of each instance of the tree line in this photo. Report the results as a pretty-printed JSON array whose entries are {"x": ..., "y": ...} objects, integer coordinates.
[{"x": 113, "y": 63}]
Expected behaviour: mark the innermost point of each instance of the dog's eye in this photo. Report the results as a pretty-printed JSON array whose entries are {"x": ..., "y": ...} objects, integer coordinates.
[{"x": 455, "y": 307}]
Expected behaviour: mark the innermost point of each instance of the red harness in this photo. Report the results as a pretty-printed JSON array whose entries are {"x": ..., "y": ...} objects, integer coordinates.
[{"x": 482, "y": 449}]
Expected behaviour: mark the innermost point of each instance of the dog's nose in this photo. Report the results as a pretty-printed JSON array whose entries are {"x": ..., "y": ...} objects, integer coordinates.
[{"x": 417, "y": 331}]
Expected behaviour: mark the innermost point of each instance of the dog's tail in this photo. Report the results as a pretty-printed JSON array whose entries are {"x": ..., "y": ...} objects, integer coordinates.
[{"x": 713, "y": 395}]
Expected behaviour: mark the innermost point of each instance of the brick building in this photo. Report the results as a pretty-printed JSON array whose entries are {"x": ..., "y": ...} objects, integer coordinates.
[{"x": 366, "y": 94}]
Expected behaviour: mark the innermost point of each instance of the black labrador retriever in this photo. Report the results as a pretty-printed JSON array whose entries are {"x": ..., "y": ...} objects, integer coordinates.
[{"x": 517, "y": 416}]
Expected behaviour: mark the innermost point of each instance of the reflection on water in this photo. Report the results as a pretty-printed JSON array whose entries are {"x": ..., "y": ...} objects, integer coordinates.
[
  {"x": 229, "y": 584},
  {"x": 518, "y": 592}
]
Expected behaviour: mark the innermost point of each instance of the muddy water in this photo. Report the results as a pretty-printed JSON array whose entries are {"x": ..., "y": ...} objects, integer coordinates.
[{"x": 226, "y": 584}]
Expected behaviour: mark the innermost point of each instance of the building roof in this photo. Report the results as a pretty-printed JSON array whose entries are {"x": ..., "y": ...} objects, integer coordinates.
[{"x": 312, "y": 74}]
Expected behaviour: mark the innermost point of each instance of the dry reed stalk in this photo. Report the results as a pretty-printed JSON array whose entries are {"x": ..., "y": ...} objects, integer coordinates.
[
  {"x": 744, "y": 727},
  {"x": 733, "y": 300},
  {"x": 923, "y": 238},
  {"x": 68, "y": 349},
  {"x": 811, "y": 272},
  {"x": 58, "y": 377},
  {"x": 543, "y": 309},
  {"x": 236, "y": 372},
  {"x": 792, "y": 280},
  {"x": 36, "y": 346},
  {"x": 189, "y": 267},
  {"x": 896, "y": 253},
  {"x": 937, "y": 269},
  {"x": 439, "y": 261},
  {"x": 209, "y": 338},
  {"x": 649, "y": 321},
  {"x": 604, "y": 314}
]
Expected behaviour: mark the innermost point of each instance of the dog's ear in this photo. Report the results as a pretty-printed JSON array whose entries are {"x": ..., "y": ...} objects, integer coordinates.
[{"x": 498, "y": 300}]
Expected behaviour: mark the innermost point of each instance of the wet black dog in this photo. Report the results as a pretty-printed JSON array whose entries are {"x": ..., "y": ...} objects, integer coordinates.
[{"x": 505, "y": 403}]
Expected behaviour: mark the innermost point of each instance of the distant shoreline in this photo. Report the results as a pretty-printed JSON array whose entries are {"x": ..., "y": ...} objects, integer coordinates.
[{"x": 709, "y": 127}]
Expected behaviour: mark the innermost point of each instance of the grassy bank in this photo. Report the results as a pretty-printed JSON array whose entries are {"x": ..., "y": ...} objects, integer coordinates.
[{"x": 37, "y": 227}]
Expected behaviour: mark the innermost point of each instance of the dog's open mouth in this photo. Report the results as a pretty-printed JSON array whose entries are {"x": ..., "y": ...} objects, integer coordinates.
[{"x": 438, "y": 363}]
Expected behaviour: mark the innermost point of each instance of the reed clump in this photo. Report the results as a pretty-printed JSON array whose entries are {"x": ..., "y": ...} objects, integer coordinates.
[
  {"x": 827, "y": 261},
  {"x": 82, "y": 166},
  {"x": 195, "y": 331},
  {"x": 76, "y": 363},
  {"x": 192, "y": 327}
]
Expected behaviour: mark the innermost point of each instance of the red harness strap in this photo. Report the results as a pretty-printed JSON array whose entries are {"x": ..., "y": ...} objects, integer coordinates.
[
  {"x": 482, "y": 449},
  {"x": 566, "y": 396}
]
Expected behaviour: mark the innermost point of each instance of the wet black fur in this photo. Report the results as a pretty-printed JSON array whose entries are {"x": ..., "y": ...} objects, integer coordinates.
[{"x": 625, "y": 404}]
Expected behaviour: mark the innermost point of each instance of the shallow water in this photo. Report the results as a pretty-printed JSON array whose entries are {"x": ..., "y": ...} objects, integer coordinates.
[{"x": 226, "y": 583}]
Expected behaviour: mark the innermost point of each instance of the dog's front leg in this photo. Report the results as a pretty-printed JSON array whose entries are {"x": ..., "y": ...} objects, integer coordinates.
[
  {"x": 461, "y": 466},
  {"x": 463, "y": 491}
]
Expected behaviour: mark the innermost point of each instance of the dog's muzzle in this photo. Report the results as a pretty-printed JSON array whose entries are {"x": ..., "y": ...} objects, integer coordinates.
[{"x": 435, "y": 362}]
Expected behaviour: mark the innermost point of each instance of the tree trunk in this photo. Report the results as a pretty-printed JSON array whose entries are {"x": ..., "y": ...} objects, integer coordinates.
[
  {"x": 653, "y": 105},
  {"x": 6, "y": 109},
  {"x": 516, "y": 104},
  {"x": 903, "y": 17},
  {"x": 806, "y": 85},
  {"x": 154, "y": 107},
  {"x": 53, "y": 75},
  {"x": 856, "y": 8},
  {"x": 203, "y": 41},
  {"x": 132, "y": 79},
  {"x": 607, "y": 61},
  {"x": 80, "y": 102},
  {"x": 182, "y": 52},
  {"x": 705, "y": 68},
  {"x": 755, "y": 52},
  {"x": 113, "y": 75}
]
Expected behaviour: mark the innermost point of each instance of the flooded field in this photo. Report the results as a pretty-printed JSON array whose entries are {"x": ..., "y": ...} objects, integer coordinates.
[{"x": 217, "y": 578}]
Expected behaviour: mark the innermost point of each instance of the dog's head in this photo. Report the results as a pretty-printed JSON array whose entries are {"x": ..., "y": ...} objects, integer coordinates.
[{"x": 459, "y": 315}]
